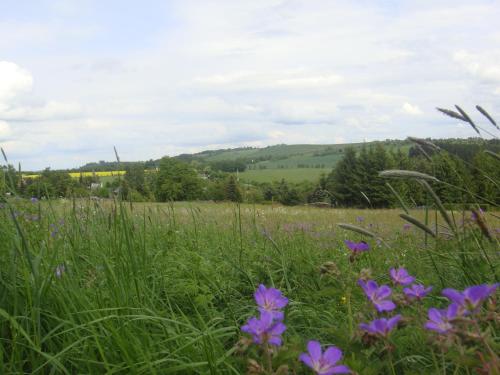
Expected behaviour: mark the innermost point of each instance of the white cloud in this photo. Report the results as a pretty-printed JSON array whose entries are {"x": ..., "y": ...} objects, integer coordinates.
[
  {"x": 228, "y": 73},
  {"x": 17, "y": 101},
  {"x": 4, "y": 129},
  {"x": 485, "y": 65},
  {"x": 14, "y": 81},
  {"x": 411, "y": 109}
]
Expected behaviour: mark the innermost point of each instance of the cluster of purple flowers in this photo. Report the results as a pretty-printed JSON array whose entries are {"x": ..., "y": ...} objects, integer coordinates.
[
  {"x": 400, "y": 276},
  {"x": 462, "y": 304},
  {"x": 380, "y": 296},
  {"x": 268, "y": 327}
]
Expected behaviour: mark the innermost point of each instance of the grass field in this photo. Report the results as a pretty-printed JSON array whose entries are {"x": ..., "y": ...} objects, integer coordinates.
[
  {"x": 94, "y": 287},
  {"x": 289, "y": 174}
]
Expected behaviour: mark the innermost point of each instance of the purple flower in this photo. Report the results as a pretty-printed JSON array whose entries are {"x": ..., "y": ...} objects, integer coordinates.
[
  {"x": 360, "y": 219},
  {"x": 34, "y": 200},
  {"x": 471, "y": 298},
  {"x": 473, "y": 215},
  {"x": 357, "y": 247},
  {"x": 406, "y": 226},
  {"x": 417, "y": 291},
  {"x": 270, "y": 300},
  {"x": 439, "y": 320},
  {"x": 381, "y": 327},
  {"x": 401, "y": 276},
  {"x": 379, "y": 296},
  {"x": 323, "y": 363},
  {"x": 265, "y": 329}
]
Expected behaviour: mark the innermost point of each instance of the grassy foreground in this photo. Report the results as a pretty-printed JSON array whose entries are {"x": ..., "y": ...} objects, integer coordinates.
[{"x": 91, "y": 287}]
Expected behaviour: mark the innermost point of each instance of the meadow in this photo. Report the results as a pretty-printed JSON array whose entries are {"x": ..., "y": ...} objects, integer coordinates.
[
  {"x": 288, "y": 174},
  {"x": 102, "y": 286}
]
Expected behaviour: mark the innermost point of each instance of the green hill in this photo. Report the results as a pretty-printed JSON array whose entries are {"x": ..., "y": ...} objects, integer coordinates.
[{"x": 294, "y": 163}]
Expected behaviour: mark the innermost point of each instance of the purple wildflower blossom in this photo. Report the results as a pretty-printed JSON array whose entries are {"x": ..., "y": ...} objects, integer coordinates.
[
  {"x": 357, "y": 247},
  {"x": 360, "y": 219},
  {"x": 406, "y": 226},
  {"x": 473, "y": 215},
  {"x": 417, "y": 291},
  {"x": 381, "y": 327},
  {"x": 401, "y": 276},
  {"x": 265, "y": 329},
  {"x": 378, "y": 295},
  {"x": 270, "y": 300},
  {"x": 471, "y": 298},
  {"x": 323, "y": 363},
  {"x": 440, "y": 320},
  {"x": 34, "y": 199}
]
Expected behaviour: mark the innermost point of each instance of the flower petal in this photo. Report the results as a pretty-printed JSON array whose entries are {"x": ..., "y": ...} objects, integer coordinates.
[
  {"x": 306, "y": 358},
  {"x": 314, "y": 348},
  {"x": 453, "y": 295},
  {"x": 341, "y": 369},
  {"x": 392, "y": 322},
  {"x": 332, "y": 355},
  {"x": 383, "y": 292},
  {"x": 386, "y": 305}
]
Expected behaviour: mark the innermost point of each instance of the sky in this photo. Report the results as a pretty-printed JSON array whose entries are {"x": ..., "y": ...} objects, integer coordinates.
[{"x": 161, "y": 77}]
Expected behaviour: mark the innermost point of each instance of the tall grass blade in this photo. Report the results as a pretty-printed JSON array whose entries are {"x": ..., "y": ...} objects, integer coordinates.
[
  {"x": 467, "y": 119},
  {"x": 487, "y": 115},
  {"x": 399, "y": 173},
  {"x": 398, "y": 197},
  {"x": 451, "y": 113},
  {"x": 418, "y": 224},
  {"x": 439, "y": 205},
  {"x": 424, "y": 143},
  {"x": 357, "y": 229},
  {"x": 493, "y": 154}
]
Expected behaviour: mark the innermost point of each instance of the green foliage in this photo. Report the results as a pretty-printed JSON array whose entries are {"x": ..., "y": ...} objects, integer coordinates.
[
  {"x": 176, "y": 181},
  {"x": 229, "y": 165}
]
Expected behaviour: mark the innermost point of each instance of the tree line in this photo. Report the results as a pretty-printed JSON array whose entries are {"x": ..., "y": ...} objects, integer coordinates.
[{"x": 467, "y": 170}]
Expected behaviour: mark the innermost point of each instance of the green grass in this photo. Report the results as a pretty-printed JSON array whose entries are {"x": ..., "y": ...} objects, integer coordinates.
[
  {"x": 289, "y": 174},
  {"x": 162, "y": 289}
]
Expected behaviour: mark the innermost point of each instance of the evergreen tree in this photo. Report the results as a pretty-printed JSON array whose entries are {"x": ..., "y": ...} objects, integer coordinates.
[
  {"x": 232, "y": 190},
  {"x": 342, "y": 181}
]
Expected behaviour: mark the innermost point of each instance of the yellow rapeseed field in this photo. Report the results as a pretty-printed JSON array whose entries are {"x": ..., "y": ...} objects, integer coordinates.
[{"x": 83, "y": 174}]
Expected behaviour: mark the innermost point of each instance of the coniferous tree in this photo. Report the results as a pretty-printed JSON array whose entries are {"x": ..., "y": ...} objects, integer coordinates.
[
  {"x": 232, "y": 190},
  {"x": 343, "y": 180}
]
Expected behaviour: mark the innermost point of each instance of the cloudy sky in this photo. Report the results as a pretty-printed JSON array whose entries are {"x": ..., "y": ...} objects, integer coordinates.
[{"x": 164, "y": 77}]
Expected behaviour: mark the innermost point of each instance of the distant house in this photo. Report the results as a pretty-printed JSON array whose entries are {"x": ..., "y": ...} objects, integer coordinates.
[{"x": 95, "y": 185}]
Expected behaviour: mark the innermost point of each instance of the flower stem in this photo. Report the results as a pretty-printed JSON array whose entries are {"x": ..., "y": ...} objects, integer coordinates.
[
  {"x": 391, "y": 363},
  {"x": 269, "y": 360}
]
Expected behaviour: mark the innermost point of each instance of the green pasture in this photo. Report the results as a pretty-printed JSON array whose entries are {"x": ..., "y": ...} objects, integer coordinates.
[{"x": 289, "y": 174}]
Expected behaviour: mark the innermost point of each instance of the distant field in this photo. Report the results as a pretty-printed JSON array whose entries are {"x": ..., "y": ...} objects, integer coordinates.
[
  {"x": 100, "y": 174},
  {"x": 289, "y": 174}
]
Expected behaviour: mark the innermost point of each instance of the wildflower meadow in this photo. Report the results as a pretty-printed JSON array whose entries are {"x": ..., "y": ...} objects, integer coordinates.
[{"x": 114, "y": 287}]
